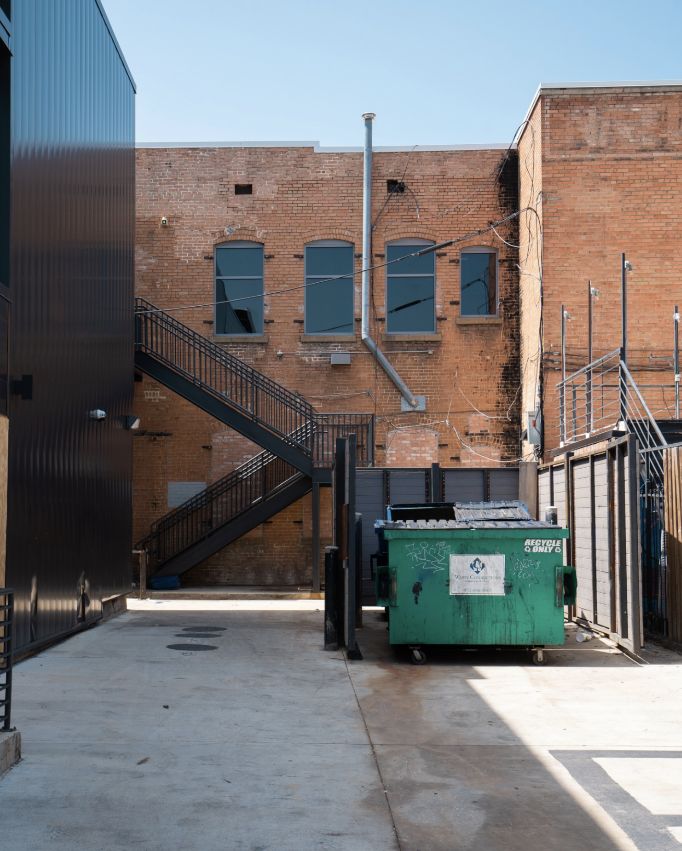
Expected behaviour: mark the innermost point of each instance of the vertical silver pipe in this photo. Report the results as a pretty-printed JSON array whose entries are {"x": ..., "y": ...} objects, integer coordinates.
[
  {"x": 380, "y": 357},
  {"x": 366, "y": 222}
]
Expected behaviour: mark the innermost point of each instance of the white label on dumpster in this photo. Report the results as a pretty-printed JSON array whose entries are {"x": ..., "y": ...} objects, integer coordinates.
[
  {"x": 477, "y": 574},
  {"x": 543, "y": 545}
]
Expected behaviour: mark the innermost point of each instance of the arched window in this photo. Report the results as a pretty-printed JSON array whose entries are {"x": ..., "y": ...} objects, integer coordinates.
[
  {"x": 239, "y": 288},
  {"x": 478, "y": 275},
  {"x": 410, "y": 288},
  {"x": 329, "y": 303}
]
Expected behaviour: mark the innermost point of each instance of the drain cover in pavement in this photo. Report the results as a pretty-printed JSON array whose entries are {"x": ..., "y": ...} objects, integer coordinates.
[
  {"x": 203, "y": 628},
  {"x": 191, "y": 646},
  {"x": 197, "y": 635}
]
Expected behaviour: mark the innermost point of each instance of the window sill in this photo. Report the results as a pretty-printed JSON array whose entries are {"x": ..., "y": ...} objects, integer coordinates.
[
  {"x": 478, "y": 320},
  {"x": 240, "y": 338},
  {"x": 328, "y": 338},
  {"x": 412, "y": 338}
]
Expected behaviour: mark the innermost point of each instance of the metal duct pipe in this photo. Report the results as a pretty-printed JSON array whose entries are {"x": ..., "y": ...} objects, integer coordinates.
[{"x": 366, "y": 263}]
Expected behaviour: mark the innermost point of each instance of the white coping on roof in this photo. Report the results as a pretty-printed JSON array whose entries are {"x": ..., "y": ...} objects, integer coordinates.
[
  {"x": 321, "y": 149},
  {"x": 663, "y": 85}
]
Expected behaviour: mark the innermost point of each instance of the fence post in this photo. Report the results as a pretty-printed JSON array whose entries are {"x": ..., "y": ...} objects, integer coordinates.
[
  {"x": 435, "y": 483},
  {"x": 143, "y": 574},
  {"x": 331, "y": 606},
  {"x": 316, "y": 537}
]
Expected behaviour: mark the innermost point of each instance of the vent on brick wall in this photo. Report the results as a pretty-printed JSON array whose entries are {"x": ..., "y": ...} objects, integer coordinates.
[
  {"x": 395, "y": 187},
  {"x": 243, "y": 189}
]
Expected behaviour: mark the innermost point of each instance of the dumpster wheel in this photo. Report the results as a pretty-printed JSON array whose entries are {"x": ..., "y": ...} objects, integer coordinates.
[
  {"x": 538, "y": 656},
  {"x": 417, "y": 656}
]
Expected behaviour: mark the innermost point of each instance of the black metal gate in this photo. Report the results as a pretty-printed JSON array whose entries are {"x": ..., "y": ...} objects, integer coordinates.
[{"x": 652, "y": 530}]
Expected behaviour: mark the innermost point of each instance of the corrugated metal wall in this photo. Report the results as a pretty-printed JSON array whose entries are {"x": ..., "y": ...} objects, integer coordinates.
[{"x": 71, "y": 279}]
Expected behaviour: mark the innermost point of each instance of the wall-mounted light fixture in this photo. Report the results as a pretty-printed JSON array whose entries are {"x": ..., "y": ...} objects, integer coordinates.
[
  {"x": 164, "y": 221},
  {"x": 97, "y": 414},
  {"x": 132, "y": 423}
]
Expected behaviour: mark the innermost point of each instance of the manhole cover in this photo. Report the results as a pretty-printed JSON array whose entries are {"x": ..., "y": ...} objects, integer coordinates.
[
  {"x": 191, "y": 646},
  {"x": 203, "y": 628},
  {"x": 197, "y": 635}
]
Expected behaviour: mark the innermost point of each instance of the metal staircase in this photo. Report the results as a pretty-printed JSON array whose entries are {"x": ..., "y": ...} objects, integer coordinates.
[
  {"x": 223, "y": 386},
  {"x": 223, "y": 512},
  {"x": 298, "y": 442}
]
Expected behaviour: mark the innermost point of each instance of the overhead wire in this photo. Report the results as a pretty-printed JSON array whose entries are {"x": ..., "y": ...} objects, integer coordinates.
[{"x": 351, "y": 275}]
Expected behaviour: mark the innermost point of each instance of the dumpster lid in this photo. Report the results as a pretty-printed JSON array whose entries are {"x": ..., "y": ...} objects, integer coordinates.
[
  {"x": 511, "y": 509},
  {"x": 507, "y": 514}
]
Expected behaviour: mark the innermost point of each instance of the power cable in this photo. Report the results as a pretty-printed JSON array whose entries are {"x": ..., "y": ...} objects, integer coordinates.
[{"x": 419, "y": 253}]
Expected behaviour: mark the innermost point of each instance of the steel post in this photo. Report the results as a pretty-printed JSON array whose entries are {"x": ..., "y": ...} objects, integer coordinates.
[
  {"x": 676, "y": 358},
  {"x": 331, "y": 602}
]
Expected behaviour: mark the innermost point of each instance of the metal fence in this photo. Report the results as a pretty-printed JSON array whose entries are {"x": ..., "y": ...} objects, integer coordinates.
[
  {"x": 597, "y": 496},
  {"x": 6, "y": 652}
]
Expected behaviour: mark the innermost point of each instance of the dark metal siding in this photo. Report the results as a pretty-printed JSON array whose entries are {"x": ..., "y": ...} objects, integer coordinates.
[
  {"x": 71, "y": 280},
  {"x": 464, "y": 485}
]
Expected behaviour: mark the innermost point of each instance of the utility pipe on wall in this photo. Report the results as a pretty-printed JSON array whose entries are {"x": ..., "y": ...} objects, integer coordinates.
[{"x": 366, "y": 263}]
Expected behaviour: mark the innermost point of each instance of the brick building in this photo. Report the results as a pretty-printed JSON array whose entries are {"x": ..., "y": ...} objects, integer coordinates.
[
  {"x": 248, "y": 226},
  {"x": 601, "y": 169},
  {"x": 232, "y": 241}
]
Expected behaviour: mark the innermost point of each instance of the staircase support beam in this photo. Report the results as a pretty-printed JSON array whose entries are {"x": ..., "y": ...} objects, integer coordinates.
[
  {"x": 241, "y": 422},
  {"x": 236, "y": 527}
]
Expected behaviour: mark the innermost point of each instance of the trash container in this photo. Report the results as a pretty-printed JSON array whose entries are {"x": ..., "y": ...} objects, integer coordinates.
[{"x": 473, "y": 574}]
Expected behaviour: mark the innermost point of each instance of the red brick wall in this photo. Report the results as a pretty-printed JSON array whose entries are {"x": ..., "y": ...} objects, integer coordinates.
[
  {"x": 468, "y": 371},
  {"x": 611, "y": 182}
]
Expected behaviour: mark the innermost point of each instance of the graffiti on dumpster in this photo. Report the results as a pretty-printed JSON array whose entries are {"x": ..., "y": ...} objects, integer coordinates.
[{"x": 428, "y": 557}]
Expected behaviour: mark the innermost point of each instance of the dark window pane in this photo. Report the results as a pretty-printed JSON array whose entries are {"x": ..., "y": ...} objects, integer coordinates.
[
  {"x": 423, "y": 265},
  {"x": 329, "y": 307},
  {"x": 234, "y": 262},
  {"x": 410, "y": 305},
  {"x": 239, "y": 307},
  {"x": 325, "y": 261},
  {"x": 479, "y": 283}
]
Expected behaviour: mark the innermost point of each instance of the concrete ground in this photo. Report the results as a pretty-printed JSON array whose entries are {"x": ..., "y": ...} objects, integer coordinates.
[{"x": 224, "y": 725}]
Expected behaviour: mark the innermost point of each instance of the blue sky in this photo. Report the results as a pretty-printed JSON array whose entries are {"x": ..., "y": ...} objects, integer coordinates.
[{"x": 435, "y": 72}]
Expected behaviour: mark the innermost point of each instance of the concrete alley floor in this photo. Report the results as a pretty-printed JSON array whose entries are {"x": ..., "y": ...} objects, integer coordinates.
[{"x": 224, "y": 725}]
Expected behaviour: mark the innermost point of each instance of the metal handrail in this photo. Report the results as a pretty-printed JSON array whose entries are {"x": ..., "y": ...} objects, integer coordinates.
[
  {"x": 238, "y": 385},
  {"x": 590, "y": 366},
  {"x": 213, "y": 491},
  {"x": 217, "y": 504},
  {"x": 254, "y": 480},
  {"x": 220, "y": 373},
  {"x": 635, "y": 389},
  {"x": 6, "y": 658}
]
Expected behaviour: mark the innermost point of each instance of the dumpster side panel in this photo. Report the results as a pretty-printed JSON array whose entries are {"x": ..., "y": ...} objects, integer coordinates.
[{"x": 521, "y": 611}]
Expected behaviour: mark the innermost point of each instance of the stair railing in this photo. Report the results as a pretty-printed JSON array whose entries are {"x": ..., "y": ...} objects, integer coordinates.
[
  {"x": 222, "y": 375},
  {"x": 197, "y": 518},
  {"x": 603, "y": 395}
]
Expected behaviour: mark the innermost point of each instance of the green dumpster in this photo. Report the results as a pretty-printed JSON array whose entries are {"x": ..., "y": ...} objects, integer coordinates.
[{"x": 473, "y": 574}]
